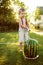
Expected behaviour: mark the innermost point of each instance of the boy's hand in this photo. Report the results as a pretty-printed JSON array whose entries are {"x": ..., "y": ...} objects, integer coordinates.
[{"x": 28, "y": 29}]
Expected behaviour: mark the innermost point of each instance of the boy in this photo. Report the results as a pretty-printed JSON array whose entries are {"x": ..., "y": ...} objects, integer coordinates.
[{"x": 23, "y": 27}]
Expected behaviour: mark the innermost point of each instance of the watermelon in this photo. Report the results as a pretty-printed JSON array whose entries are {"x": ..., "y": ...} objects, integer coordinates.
[{"x": 31, "y": 48}]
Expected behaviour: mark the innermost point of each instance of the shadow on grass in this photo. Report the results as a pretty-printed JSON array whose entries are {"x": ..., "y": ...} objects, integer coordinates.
[{"x": 10, "y": 55}]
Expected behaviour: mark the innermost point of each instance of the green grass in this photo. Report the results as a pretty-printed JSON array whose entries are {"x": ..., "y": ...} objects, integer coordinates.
[
  {"x": 9, "y": 53},
  {"x": 8, "y": 37}
]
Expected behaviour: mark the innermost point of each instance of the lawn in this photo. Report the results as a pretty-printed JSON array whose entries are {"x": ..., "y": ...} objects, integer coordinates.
[{"x": 9, "y": 50}]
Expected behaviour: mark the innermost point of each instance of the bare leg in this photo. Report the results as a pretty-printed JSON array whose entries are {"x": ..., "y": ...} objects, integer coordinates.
[{"x": 20, "y": 46}]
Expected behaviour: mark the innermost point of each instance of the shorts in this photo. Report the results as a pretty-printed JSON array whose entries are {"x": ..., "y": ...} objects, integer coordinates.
[{"x": 23, "y": 35}]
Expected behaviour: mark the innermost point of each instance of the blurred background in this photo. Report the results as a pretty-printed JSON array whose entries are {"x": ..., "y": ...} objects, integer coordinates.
[
  {"x": 9, "y": 38},
  {"x": 9, "y": 14}
]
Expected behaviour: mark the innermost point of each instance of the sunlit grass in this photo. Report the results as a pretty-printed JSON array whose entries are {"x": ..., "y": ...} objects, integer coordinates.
[
  {"x": 9, "y": 52},
  {"x": 8, "y": 37},
  {"x": 3, "y": 59}
]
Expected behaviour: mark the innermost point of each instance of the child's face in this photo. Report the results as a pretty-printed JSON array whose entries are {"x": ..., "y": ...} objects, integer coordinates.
[{"x": 22, "y": 14}]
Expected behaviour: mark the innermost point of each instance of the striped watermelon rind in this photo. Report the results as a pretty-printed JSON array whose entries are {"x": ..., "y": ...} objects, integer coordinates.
[{"x": 31, "y": 48}]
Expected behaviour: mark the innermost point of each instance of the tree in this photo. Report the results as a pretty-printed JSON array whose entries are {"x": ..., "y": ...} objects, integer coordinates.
[
  {"x": 7, "y": 12},
  {"x": 37, "y": 14}
]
